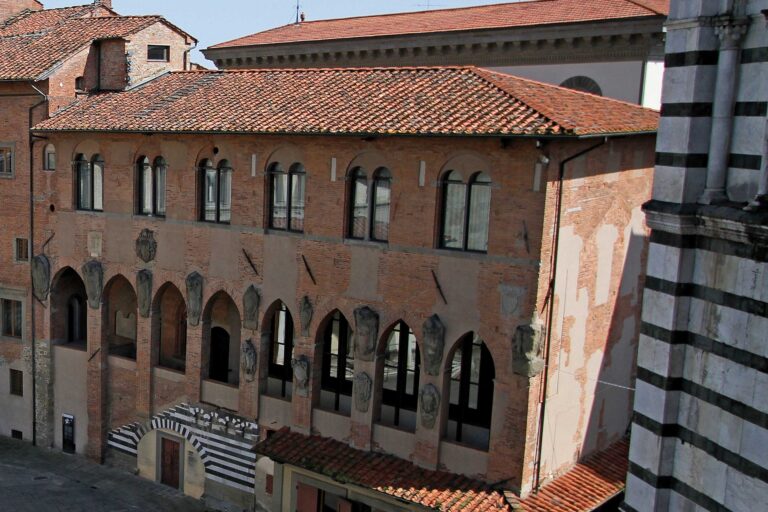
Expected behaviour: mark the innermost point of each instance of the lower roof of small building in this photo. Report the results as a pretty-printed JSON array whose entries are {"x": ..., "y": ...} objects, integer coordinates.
[{"x": 585, "y": 487}]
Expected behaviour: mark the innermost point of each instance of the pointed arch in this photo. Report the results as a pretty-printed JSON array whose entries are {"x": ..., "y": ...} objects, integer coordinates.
[
  {"x": 69, "y": 309},
  {"x": 470, "y": 372},
  {"x": 221, "y": 339},
  {"x": 120, "y": 312},
  {"x": 169, "y": 328},
  {"x": 335, "y": 358},
  {"x": 278, "y": 334},
  {"x": 398, "y": 373}
]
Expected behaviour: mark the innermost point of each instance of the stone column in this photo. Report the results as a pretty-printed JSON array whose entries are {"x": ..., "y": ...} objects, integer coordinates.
[
  {"x": 760, "y": 202},
  {"x": 97, "y": 386},
  {"x": 730, "y": 32}
]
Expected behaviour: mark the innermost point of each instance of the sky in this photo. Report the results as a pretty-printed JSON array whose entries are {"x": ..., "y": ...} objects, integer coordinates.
[{"x": 216, "y": 21}]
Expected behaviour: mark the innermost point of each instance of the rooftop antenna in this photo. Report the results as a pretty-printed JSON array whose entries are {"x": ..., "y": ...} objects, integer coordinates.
[{"x": 298, "y": 10}]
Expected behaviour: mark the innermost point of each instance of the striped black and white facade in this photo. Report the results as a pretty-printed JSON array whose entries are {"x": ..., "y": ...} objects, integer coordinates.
[
  {"x": 700, "y": 426},
  {"x": 224, "y": 442}
]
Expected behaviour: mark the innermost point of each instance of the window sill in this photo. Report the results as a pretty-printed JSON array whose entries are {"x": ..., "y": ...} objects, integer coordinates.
[
  {"x": 395, "y": 427},
  {"x": 6, "y": 176},
  {"x": 365, "y": 243},
  {"x": 284, "y": 232},
  {"x": 340, "y": 414},
  {"x": 286, "y": 399},
  {"x": 91, "y": 212},
  {"x": 11, "y": 339},
  {"x": 466, "y": 446}
]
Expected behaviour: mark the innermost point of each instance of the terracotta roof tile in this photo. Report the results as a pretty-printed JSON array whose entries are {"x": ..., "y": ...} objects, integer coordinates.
[
  {"x": 394, "y": 477},
  {"x": 30, "y": 56},
  {"x": 372, "y": 101},
  {"x": 28, "y": 21},
  {"x": 517, "y": 14},
  {"x": 585, "y": 487}
]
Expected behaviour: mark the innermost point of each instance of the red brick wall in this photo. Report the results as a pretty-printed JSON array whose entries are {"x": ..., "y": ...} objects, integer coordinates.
[
  {"x": 9, "y": 8},
  {"x": 490, "y": 294},
  {"x": 139, "y": 67}
]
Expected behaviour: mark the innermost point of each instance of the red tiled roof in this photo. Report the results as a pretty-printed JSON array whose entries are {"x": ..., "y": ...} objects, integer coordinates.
[
  {"x": 30, "y": 56},
  {"x": 29, "y": 22},
  {"x": 383, "y": 473},
  {"x": 509, "y": 15},
  {"x": 367, "y": 101},
  {"x": 585, "y": 487}
]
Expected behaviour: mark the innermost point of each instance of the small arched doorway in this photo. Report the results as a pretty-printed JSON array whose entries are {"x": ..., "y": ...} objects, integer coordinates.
[{"x": 218, "y": 368}]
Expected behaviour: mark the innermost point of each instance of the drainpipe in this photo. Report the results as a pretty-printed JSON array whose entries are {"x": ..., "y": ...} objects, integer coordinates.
[
  {"x": 730, "y": 32},
  {"x": 551, "y": 311},
  {"x": 31, "y": 255}
]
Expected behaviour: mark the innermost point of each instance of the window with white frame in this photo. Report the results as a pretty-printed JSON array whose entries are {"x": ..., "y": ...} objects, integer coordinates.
[{"x": 6, "y": 160}]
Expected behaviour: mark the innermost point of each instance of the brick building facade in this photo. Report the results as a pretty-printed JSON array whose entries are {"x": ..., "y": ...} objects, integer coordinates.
[
  {"x": 442, "y": 283},
  {"x": 48, "y": 58}
]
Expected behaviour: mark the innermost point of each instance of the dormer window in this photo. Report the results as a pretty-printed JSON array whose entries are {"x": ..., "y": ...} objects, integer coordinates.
[{"x": 158, "y": 53}]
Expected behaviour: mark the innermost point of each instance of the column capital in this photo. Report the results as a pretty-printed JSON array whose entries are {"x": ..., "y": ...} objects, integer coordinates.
[{"x": 730, "y": 31}]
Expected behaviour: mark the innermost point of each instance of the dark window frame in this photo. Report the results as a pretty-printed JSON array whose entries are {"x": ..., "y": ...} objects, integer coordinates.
[
  {"x": 446, "y": 182},
  {"x": 16, "y": 328},
  {"x": 338, "y": 386},
  {"x": 205, "y": 166},
  {"x": 400, "y": 398},
  {"x": 156, "y": 167},
  {"x": 83, "y": 166},
  {"x": 296, "y": 171},
  {"x": 462, "y": 413},
  {"x": 8, "y": 160},
  {"x": 18, "y": 244},
  {"x": 16, "y": 382},
  {"x": 48, "y": 151},
  {"x": 282, "y": 372},
  {"x": 164, "y": 48}
]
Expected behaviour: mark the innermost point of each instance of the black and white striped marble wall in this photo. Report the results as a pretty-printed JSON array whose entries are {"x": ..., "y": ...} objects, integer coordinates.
[{"x": 224, "y": 441}]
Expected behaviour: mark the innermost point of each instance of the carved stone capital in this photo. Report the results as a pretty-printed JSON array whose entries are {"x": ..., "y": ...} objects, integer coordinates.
[{"x": 731, "y": 32}]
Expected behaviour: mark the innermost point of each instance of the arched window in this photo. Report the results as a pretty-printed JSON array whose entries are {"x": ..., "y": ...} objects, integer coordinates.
[
  {"x": 370, "y": 205},
  {"x": 400, "y": 380},
  {"x": 280, "y": 380},
  {"x": 76, "y": 320},
  {"x": 151, "y": 186},
  {"x": 583, "y": 84},
  {"x": 466, "y": 212},
  {"x": 288, "y": 191},
  {"x": 471, "y": 393},
  {"x": 338, "y": 365},
  {"x": 90, "y": 183},
  {"x": 49, "y": 157},
  {"x": 216, "y": 191}
]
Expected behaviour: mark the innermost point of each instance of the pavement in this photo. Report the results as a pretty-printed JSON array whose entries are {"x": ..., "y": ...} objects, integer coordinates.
[{"x": 34, "y": 479}]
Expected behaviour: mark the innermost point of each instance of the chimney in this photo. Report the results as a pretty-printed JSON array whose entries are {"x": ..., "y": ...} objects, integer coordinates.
[
  {"x": 104, "y": 3},
  {"x": 9, "y": 8}
]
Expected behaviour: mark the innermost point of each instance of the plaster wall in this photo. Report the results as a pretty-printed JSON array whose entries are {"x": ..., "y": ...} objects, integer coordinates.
[
  {"x": 70, "y": 386},
  {"x": 193, "y": 470}
]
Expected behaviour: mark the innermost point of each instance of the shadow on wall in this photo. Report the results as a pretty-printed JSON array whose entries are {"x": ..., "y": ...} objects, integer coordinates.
[{"x": 611, "y": 411}]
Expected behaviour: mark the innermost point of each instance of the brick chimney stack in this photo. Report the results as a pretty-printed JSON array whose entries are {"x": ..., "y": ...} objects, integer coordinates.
[
  {"x": 105, "y": 3},
  {"x": 10, "y": 8}
]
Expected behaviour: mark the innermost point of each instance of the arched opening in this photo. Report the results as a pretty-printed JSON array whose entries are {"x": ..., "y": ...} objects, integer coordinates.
[
  {"x": 400, "y": 363},
  {"x": 287, "y": 195},
  {"x": 169, "y": 333},
  {"x": 280, "y": 373},
  {"x": 221, "y": 343},
  {"x": 69, "y": 313},
  {"x": 583, "y": 84},
  {"x": 471, "y": 372},
  {"x": 338, "y": 370},
  {"x": 120, "y": 307},
  {"x": 466, "y": 211}
]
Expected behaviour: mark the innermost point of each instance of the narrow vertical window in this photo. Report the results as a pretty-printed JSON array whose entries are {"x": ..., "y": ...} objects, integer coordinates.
[
  {"x": 471, "y": 393},
  {"x": 296, "y": 197},
  {"x": 160, "y": 172},
  {"x": 278, "y": 218},
  {"x": 225, "y": 191},
  {"x": 12, "y": 318},
  {"x": 479, "y": 212},
  {"x": 97, "y": 164},
  {"x": 83, "y": 175},
  {"x": 49, "y": 157},
  {"x": 382, "y": 187},
  {"x": 216, "y": 191},
  {"x": 17, "y": 382},
  {"x": 358, "y": 222},
  {"x": 6, "y": 160},
  {"x": 454, "y": 199},
  {"x": 280, "y": 354},
  {"x": 400, "y": 378},
  {"x": 209, "y": 187},
  {"x": 338, "y": 365},
  {"x": 144, "y": 170}
]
